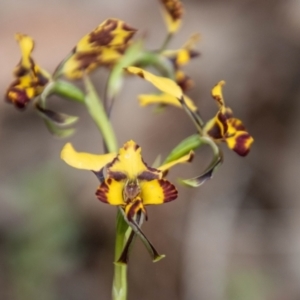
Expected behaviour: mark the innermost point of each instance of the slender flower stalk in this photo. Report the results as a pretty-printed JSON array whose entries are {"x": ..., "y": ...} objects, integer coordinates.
[{"x": 119, "y": 287}]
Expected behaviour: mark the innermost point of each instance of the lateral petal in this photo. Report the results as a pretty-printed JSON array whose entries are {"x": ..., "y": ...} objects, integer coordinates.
[
  {"x": 85, "y": 161},
  {"x": 111, "y": 191},
  {"x": 157, "y": 192}
]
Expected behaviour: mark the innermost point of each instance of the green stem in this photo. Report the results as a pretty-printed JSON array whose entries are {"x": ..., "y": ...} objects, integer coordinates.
[
  {"x": 97, "y": 112},
  {"x": 166, "y": 42},
  {"x": 119, "y": 288}
]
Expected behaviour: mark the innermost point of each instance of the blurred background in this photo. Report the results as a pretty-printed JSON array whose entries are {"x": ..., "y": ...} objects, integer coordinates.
[{"x": 237, "y": 237}]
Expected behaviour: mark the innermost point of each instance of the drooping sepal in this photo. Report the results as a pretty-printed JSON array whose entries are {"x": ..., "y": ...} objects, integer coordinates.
[
  {"x": 151, "y": 249},
  {"x": 209, "y": 172}
]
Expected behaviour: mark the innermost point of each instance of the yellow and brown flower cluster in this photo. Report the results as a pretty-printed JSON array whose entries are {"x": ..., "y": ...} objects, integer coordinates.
[{"x": 104, "y": 46}]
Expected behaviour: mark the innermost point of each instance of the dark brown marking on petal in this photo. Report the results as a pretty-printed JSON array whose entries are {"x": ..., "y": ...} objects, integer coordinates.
[
  {"x": 141, "y": 74},
  {"x": 237, "y": 124},
  {"x": 42, "y": 80},
  {"x": 194, "y": 53},
  {"x": 103, "y": 36},
  {"x": 109, "y": 181},
  {"x": 118, "y": 176},
  {"x": 134, "y": 209},
  {"x": 174, "y": 7},
  {"x": 20, "y": 98},
  {"x": 131, "y": 31},
  {"x": 21, "y": 71},
  {"x": 109, "y": 165},
  {"x": 215, "y": 132},
  {"x": 147, "y": 175},
  {"x": 241, "y": 147},
  {"x": 86, "y": 58},
  {"x": 169, "y": 190},
  {"x": 102, "y": 191},
  {"x": 228, "y": 112},
  {"x": 192, "y": 155},
  {"x": 185, "y": 83},
  {"x": 128, "y": 28}
]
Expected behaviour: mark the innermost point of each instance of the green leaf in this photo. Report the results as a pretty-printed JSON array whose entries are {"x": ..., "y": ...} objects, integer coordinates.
[{"x": 184, "y": 147}]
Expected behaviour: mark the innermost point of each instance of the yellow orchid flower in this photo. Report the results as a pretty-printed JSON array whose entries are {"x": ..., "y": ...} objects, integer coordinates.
[
  {"x": 172, "y": 13},
  {"x": 130, "y": 183},
  {"x": 104, "y": 46},
  {"x": 223, "y": 127},
  {"x": 30, "y": 78}
]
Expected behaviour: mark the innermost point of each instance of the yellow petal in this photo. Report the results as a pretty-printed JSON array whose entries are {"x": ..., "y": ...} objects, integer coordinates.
[
  {"x": 181, "y": 160},
  {"x": 157, "y": 192},
  {"x": 217, "y": 94},
  {"x": 164, "y": 98},
  {"x": 164, "y": 84},
  {"x": 85, "y": 161},
  {"x": 26, "y": 44},
  {"x": 111, "y": 191},
  {"x": 129, "y": 161},
  {"x": 172, "y": 13}
]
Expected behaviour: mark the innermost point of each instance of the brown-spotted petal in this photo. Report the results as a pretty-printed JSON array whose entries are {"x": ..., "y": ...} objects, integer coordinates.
[
  {"x": 30, "y": 78},
  {"x": 217, "y": 127},
  {"x": 104, "y": 46},
  {"x": 172, "y": 12},
  {"x": 240, "y": 142}
]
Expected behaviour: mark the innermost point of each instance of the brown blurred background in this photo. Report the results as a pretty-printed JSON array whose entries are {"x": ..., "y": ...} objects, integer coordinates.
[{"x": 236, "y": 238}]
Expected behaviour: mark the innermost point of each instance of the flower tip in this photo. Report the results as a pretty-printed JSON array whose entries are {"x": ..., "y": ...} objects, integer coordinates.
[
  {"x": 191, "y": 156},
  {"x": 66, "y": 151},
  {"x": 158, "y": 258}
]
